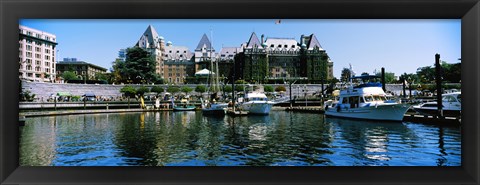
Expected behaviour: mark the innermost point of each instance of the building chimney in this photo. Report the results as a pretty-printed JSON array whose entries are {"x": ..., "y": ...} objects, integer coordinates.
[{"x": 262, "y": 38}]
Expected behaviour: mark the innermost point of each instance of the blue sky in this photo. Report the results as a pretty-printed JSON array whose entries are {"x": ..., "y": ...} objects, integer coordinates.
[{"x": 398, "y": 45}]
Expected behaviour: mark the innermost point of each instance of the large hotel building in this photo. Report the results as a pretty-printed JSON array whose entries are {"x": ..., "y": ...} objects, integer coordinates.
[
  {"x": 36, "y": 55},
  {"x": 265, "y": 60}
]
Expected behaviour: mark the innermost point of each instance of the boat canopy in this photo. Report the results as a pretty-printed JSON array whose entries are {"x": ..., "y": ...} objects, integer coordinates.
[{"x": 365, "y": 77}]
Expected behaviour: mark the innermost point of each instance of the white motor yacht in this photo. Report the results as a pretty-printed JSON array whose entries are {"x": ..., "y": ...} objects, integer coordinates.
[
  {"x": 451, "y": 105},
  {"x": 366, "y": 101},
  {"x": 256, "y": 103}
]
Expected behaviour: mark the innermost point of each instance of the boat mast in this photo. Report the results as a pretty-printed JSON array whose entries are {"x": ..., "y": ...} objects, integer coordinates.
[{"x": 214, "y": 89}]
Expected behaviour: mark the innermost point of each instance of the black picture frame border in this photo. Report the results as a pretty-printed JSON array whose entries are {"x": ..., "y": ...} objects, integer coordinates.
[{"x": 13, "y": 10}]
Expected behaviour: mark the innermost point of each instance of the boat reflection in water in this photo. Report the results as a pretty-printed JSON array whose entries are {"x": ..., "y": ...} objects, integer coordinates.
[
  {"x": 396, "y": 143},
  {"x": 187, "y": 138}
]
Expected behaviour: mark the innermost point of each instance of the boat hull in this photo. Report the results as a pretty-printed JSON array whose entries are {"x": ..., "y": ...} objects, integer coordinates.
[
  {"x": 188, "y": 108},
  {"x": 215, "y": 109},
  {"x": 386, "y": 112},
  {"x": 257, "y": 107}
]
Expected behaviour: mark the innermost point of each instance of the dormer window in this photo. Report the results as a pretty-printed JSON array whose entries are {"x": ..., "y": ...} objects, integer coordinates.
[
  {"x": 279, "y": 45},
  {"x": 293, "y": 46},
  {"x": 285, "y": 46},
  {"x": 272, "y": 46}
]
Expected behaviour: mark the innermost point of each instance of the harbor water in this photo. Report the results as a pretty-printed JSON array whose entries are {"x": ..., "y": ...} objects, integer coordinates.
[{"x": 190, "y": 139}]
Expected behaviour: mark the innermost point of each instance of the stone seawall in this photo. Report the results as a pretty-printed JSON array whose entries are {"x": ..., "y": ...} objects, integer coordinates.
[{"x": 43, "y": 90}]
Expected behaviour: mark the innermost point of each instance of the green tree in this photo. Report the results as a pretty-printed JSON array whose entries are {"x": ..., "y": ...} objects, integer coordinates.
[
  {"x": 426, "y": 74},
  {"x": 346, "y": 75},
  {"x": 142, "y": 90},
  {"x": 69, "y": 75},
  {"x": 116, "y": 72},
  {"x": 186, "y": 89},
  {"x": 239, "y": 87},
  {"x": 268, "y": 88},
  {"x": 451, "y": 72},
  {"x": 389, "y": 77},
  {"x": 128, "y": 91},
  {"x": 139, "y": 67},
  {"x": 280, "y": 88},
  {"x": 227, "y": 88},
  {"x": 173, "y": 89},
  {"x": 157, "y": 89},
  {"x": 200, "y": 89}
]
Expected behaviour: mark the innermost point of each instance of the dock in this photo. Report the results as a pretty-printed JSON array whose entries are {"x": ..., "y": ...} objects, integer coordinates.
[
  {"x": 417, "y": 118},
  {"x": 313, "y": 109},
  {"x": 408, "y": 117}
]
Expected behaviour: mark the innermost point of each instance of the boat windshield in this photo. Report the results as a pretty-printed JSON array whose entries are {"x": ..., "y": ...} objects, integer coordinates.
[
  {"x": 375, "y": 98},
  {"x": 449, "y": 98},
  {"x": 258, "y": 99}
]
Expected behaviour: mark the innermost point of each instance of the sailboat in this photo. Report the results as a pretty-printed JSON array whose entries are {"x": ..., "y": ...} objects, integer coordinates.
[{"x": 213, "y": 107}]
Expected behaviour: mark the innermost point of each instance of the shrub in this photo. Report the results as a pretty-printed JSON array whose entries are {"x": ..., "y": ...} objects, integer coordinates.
[{"x": 280, "y": 88}]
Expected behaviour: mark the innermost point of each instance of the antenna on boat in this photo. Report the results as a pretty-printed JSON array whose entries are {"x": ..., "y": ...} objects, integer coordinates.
[{"x": 352, "y": 73}]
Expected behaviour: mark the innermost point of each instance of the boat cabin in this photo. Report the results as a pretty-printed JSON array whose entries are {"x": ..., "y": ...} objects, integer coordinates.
[{"x": 368, "y": 92}]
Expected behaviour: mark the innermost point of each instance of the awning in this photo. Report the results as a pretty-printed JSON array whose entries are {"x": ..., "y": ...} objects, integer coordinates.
[
  {"x": 89, "y": 94},
  {"x": 64, "y": 94},
  {"x": 203, "y": 72}
]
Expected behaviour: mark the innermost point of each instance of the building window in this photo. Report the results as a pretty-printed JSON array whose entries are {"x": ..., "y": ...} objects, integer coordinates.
[
  {"x": 21, "y": 46},
  {"x": 38, "y": 56},
  {"x": 279, "y": 45},
  {"x": 47, "y": 57},
  {"x": 29, "y": 61},
  {"x": 285, "y": 46},
  {"x": 29, "y": 47},
  {"x": 29, "y": 33},
  {"x": 29, "y": 41},
  {"x": 29, "y": 54},
  {"x": 37, "y": 62},
  {"x": 47, "y": 51},
  {"x": 272, "y": 46},
  {"x": 37, "y": 49},
  {"x": 38, "y": 43}
]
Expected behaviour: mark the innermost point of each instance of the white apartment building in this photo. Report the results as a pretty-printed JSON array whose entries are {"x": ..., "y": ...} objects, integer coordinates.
[{"x": 36, "y": 55}]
